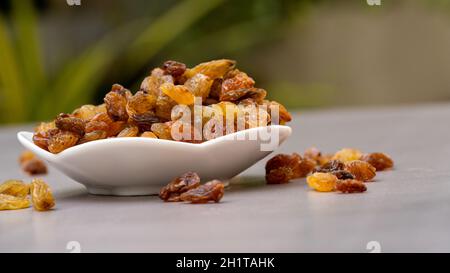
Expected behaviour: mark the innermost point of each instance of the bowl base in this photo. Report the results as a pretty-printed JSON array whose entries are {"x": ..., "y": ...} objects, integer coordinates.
[{"x": 124, "y": 191}]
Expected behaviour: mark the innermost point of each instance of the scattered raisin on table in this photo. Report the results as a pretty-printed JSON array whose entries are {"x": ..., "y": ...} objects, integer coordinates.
[
  {"x": 10, "y": 202},
  {"x": 211, "y": 191},
  {"x": 179, "y": 185},
  {"x": 15, "y": 188},
  {"x": 282, "y": 168},
  {"x": 41, "y": 195},
  {"x": 331, "y": 166},
  {"x": 350, "y": 186},
  {"x": 362, "y": 170},
  {"x": 380, "y": 161},
  {"x": 34, "y": 166},
  {"x": 348, "y": 154},
  {"x": 323, "y": 182}
]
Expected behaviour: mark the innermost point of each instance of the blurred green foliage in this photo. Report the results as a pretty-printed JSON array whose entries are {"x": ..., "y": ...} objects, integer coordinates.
[{"x": 188, "y": 30}]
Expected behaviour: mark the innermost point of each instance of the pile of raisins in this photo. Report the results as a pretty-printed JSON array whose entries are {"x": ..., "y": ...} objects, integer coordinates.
[
  {"x": 148, "y": 112},
  {"x": 345, "y": 171}
]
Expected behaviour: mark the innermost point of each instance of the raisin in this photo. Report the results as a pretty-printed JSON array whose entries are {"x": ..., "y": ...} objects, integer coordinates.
[
  {"x": 283, "y": 114},
  {"x": 323, "y": 182},
  {"x": 164, "y": 105},
  {"x": 152, "y": 83},
  {"x": 15, "y": 188},
  {"x": 25, "y": 156},
  {"x": 213, "y": 69},
  {"x": 240, "y": 80},
  {"x": 179, "y": 93},
  {"x": 179, "y": 185},
  {"x": 34, "y": 166},
  {"x": 41, "y": 140},
  {"x": 350, "y": 186},
  {"x": 211, "y": 191},
  {"x": 140, "y": 103},
  {"x": 41, "y": 195},
  {"x": 174, "y": 68},
  {"x": 66, "y": 122},
  {"x": 257, "y": 94},
  {"x": 44, "y": 127},
  {"x": 347, "y": 154},
  {"x": 87, "y": 112},
  {"x": 331, "y": 166},
  {"x": 9, "y": 202},
  {"x": 343, "y": 175},
  {"x": 162, "y": 130},
  {"x": 116, "y": 102},
  {"x": 148, "y": 134},
  {"x": 61, "y": 140},
  {"x": 94, "y": 135},
  {"x": 380, "y": 161},
  {"x": 216, "y": 89},
  {"x": 129, "y": 131},
  {"x": 362, "y": 170},
  {"x": 144, "y": 121},
  {"x": 282, "y": 168},
  {"x": 199, "y": 85}
]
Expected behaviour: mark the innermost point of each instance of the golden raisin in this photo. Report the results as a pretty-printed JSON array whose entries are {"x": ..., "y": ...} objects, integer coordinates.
[
  {"x": 240, "y": 80},
  {"x": 62, "y": 140},
  {"x": 282, "y": 168},
  {"x": 116, "y": 102},
  {"x": 94, "y": 135},
  {"x": 34, "y": 166},
  {"x": 9, "y": 202},
  {"x": 179, "y": 185},
  {"x": 41, "y": 195},
  {"x": 347, "y": 154},
  {"x": 129, "y": 131},
  {"x": 257, "y": 94},
  {"x": 15, "y": 188},
  {"x": 331, "y": 166},
  {"x": 25, "y": 156},
  {"x": 148, "y": 134},
  {"x": 66, "y": 122},
  {"x": 362, "y": 170},
  {"x": 380, "y": 161},
  {"x": 162, "y": 130},
  {"x": 88, "y": 111},
  {"x": 323, "y": 182},
  {"x": 213, "y": 69},
  {"x": 178, "y": 93},
  {"x": 211, "y": 191},
  {"x": 350, "y": 186},
  {"x": 199, "y": 85}
]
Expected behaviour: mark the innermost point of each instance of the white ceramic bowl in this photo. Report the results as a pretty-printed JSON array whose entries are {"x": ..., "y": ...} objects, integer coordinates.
[{"x": 141, "y": 166}]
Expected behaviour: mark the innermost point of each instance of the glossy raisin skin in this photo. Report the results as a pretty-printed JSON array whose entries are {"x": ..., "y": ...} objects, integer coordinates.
[
  {"x": 61, "y": 140},
  {"x": 211, "y": 191},
  {"x": 322, "y": 182},
  {"x": 350, "y": 186},
  {"x": 380, "y": 161},
  {"x": 331, "y": 166},
  {"x": 116, "y": 102},
  {"x": 41, "y": 195},
  {"x": 362, "y": 170},
  {"x": 282, "y": 168},
  {"x": 66, "y": 122},
  {"x": 174, "y": 68},
  {"x": 179, "y": 185}
]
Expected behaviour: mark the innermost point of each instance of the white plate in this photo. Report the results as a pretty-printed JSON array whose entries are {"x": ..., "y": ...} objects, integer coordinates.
[{"x": 141, "y": 166}]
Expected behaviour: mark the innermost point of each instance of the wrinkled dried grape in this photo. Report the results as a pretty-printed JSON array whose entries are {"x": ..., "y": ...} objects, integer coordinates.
[
  {"x": 62, "y": 140},
  {"x": 148, "y": 134},
  {"x": 362, "y": 170},
  {"x": 87, "y": 112},
  {"x": 162, "y": 130},
  {"x": 216, "y": 89},
  {"x": 379, "y": 161},
  {"x": 94, "y": 135},
  {"x": 15, "y": 188},
  {"x": 347, "y": 154},
  {"x": 282, "y": 168},
  {"x": 25, "y": 156},
  {"x": 257, "y": 94},
  {"x": 178, "y": 93},
  {"x": 116, "y": 102},
  {"x": 66, "y": 122},
  {"x": 9, "y": 202},
  {"x": 152, "y": 83},
  {"x": 179, "y": 185},
  {"x": 34, "y": 166},
  {"x": 174, "y": 68},
  {"x": 350, "y": 186},
  {"x": 144, "y": 121},
  {"x": 343, "y": 175},
  {"x": 44, "y": 127},
  {"x": 141, "y": 103},
  {"x": 283, "y": 114},
  {"x": 211, "y": 191},
  {"x": 240, "y": 80},
  {"x": 323, "y": 182},
  {"x": 129, "y": 131},
  {"x": 164, "y": 105},
  {"x": 199, "y": 85},
  {"x": 213, "y": 69},
  {"x": 41, "y": 195},
  {"x": 331, "y": 166}
]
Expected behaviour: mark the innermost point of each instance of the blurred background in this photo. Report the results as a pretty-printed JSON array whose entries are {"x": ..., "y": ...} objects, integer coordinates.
[{"x": 308, "y": 54}]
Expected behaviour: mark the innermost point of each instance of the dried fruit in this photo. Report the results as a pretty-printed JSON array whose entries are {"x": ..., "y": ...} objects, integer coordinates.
[
  {"x": 331, "y": 166},
  {"x": 179, "y": 185},
  {"x": 88, "y": 111},
  {"x": 323, "y": 182},
  {"x": 148, "y": 134},
  {"x": 178, "y": 93},
  {"x": 347, "y": 154},
  {"x": 129, "y": 131},
  {"x": 199, "y": 85},
  {"x": 25, "y": 156},
  {"x": 9, "y": 202},
  {"x": 116, "y": 102},
  {"x": 162, "y": 130},
  {"x": 41, "y": 195},
  {"x": 144, "y": 121},
  {"x": 211, "y": 191},
  {"x": 61, "y": 140},
  {"x": 276, "y": 109},
  {"x": 140, "y": 103},
  {"x": 174, "y": 68},
  {"x": 362, "y": 170},
  {"x": 66, "y": 122},
  {"x": 282, "y": 168},
  {"x": 343, "y": 175},
  {"x": 257, "y": 94},
  {"x": 240, "y": 80},
  {"x": 34, "y": 166},
  {"x": 350, "y": 186},
  {"x": 15, "y": 188},
  {"x": 94, "y": 135},
  {"x": 380, "y": 161},
  {"x": 213, "y": 69}
]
